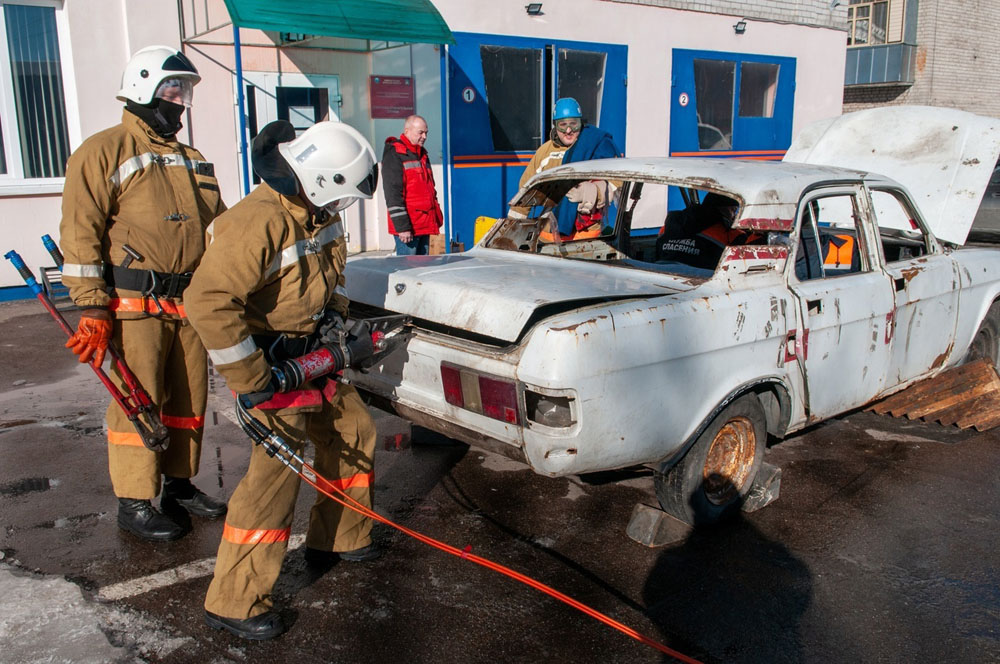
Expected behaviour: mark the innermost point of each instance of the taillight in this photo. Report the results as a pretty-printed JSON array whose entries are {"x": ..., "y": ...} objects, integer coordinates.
[{"x": 488, "y": 396}]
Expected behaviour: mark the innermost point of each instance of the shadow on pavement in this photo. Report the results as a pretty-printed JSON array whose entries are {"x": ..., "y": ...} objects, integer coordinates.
[{"x": 730, "y": 594}]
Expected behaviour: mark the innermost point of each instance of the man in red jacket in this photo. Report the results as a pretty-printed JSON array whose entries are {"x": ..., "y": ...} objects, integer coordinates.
[{"x": 408, "y": 183}]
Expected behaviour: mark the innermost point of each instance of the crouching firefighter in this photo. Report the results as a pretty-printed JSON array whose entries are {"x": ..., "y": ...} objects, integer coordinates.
[
  {"x": 135, "y": 209},
  {"x": 275, "y": 265}
]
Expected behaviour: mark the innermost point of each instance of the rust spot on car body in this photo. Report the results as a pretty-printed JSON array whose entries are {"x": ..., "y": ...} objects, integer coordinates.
[
  {"x": 940, "y": 359},
  {"x": 574, "y": 326},
  {"x": 753, "y": 252},
  {"x": 764, "y": 224},
  {"x": 911, "y": 272}
]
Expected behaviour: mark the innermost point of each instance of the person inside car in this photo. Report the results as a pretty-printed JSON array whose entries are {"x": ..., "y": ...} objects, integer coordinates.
[{"x": 697, "y": 235}]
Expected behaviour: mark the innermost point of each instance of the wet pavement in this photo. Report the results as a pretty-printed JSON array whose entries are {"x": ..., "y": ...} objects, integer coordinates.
[{"x": 883, "y": 547}]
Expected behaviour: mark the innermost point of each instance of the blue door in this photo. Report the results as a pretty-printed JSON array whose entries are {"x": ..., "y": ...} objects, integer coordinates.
[
  {"x": 731, "y": 104},
  {"x": 499, "y": 97}
]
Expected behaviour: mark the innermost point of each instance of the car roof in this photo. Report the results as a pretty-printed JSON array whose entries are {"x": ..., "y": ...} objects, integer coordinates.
[{"x": 768, "y": 190}]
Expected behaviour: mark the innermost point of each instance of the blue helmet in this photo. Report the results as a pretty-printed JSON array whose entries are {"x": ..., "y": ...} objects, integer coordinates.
[{"x": 567, "y": 107}]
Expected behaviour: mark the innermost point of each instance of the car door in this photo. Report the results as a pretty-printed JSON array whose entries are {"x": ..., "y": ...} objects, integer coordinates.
[
  {"x": 925, "y": 282},
  {"x": 845, "y": 305}
]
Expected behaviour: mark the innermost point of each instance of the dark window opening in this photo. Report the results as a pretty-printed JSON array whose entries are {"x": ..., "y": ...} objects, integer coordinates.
[
  {"x": 758, "y": 89},
  {"x": 36, "y": 72},
  {"x": 513, "y": 96},
  {"x": 714, "y": 82},
  {"x": 581, "y": 76}
]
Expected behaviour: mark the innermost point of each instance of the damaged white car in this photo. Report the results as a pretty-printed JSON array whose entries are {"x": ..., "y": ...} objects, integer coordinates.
[{"x": 650, "y": 339}]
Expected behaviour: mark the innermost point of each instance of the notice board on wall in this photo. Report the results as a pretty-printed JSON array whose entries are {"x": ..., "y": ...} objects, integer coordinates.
[{"x": 391, "y": 96}]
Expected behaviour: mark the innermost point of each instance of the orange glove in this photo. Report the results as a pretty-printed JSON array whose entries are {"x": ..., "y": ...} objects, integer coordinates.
[{"x": 92, "y": 335}]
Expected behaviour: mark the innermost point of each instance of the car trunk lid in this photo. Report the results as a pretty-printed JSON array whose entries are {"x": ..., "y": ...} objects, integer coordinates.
[
  {"x": 494, "y": 295},
  {"x": 943, "y": 156}
]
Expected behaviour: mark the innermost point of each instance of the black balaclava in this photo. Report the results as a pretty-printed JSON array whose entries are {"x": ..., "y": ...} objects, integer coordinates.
[{"x": 162, "y": 116}]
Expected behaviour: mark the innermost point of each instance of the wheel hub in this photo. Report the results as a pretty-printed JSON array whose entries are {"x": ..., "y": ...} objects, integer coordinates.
[{"x": 730, "y": 460}]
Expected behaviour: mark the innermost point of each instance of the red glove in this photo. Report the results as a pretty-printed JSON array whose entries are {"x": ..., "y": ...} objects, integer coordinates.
[{"x": 92, "y": 336}]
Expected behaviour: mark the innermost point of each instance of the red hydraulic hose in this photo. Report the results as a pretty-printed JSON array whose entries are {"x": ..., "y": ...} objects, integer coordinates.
[
  {"x": 276, "y": 447},
  {"x": 351, "y": 503}
]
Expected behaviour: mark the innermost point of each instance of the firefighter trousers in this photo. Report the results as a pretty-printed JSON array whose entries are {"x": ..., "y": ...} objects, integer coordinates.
[
  {"x": 258, "y": 525},
  {"x": 169, "y": 360}
]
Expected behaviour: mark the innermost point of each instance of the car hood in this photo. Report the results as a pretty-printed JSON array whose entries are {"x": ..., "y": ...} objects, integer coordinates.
[
  {"x": 943, "y": 156},
  {"x": 491, "y": 292}
]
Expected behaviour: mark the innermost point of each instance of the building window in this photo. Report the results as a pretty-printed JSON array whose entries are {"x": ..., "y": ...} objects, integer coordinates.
[
  {"x": 581, "y": 76},
  {"x": 33, "y": 128},
  {"x": 758, "y": 89},
  {"x": 868, "y": 22},
  {"x": 513, "y": 78},
  {"x": 715, "y": 84}
]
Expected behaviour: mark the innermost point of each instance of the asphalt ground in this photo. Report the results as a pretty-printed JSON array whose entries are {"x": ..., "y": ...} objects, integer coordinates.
[{"x": 883, "y": 547}]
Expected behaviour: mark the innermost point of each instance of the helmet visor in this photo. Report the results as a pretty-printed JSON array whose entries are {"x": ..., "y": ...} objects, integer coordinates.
[
  {"x": 176, "y": 90},
  {"x": 336, "y": 206},
  {"x": 367, "y": 186}
]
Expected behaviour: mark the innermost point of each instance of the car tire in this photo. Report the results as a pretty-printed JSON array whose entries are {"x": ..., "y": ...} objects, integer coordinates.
[
  {"x": 986, "y": 343},
  {"x": 711, "y": 481}
]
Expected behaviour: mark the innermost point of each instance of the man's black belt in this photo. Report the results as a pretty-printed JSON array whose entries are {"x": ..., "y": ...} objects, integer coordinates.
[{"x": 147, "y": 282}]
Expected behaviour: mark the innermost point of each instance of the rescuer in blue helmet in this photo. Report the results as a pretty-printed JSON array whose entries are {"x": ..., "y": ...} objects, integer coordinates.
[{"x": 571, "y": 139}]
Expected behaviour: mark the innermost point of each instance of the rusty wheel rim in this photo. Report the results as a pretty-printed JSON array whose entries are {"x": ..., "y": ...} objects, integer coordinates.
[{"x": 730, "y": 460}]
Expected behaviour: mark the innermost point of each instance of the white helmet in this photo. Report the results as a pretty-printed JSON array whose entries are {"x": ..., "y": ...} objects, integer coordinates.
[
  {"x": 334, "y": 164},
  {"x": 154, "y": 65}
]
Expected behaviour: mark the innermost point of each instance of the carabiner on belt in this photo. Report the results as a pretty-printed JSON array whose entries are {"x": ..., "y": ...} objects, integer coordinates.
[{"x": 154, "y": 283}]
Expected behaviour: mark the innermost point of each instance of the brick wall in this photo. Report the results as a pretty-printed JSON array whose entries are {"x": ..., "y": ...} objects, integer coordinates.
[
  {"x": 958, "y": 60},
  {"x": 802, "y": 12}
]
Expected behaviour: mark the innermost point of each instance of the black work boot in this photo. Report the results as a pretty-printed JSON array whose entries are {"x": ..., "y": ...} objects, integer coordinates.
[
  {"x": 140, "y": 518},
  {"x": 259, "y": 628},
  {"x": 179, "y": 492},
  {"x": 319, "y": 558},
  {"x": 371, "y": 552}
]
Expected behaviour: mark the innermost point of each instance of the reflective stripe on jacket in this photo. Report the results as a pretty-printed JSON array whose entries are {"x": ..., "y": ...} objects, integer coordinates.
[
  {"x": 127, "y": 185},
  {"x": 408, "y": 183},
  {"x": 272, "y": 268}
]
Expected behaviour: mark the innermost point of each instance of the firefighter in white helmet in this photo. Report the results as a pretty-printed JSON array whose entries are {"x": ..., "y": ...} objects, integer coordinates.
[
  {"x": 136, "y": 205},
  {"x": 275, "y": 265}
]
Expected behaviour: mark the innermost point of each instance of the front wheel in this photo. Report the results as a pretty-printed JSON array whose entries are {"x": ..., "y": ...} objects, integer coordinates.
[
  {"x": 716, "y": 474},
  {"x": 986, "y": 343}
]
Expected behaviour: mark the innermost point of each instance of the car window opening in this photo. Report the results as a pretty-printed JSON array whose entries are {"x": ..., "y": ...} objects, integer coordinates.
[{"x": 650, "y": 226}]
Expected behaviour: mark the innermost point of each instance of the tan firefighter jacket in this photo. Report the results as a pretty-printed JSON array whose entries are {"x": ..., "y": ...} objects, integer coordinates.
[
  {"x": 549, "y": 155},
  {"x": 127, "y": 185},
  {"x": 272, "y": 268}
]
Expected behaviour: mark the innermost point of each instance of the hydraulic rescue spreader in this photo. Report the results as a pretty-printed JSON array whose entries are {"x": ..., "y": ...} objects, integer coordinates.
[
  {"x": 357, "y": 343},
  {"x": 136, "y": 404}
]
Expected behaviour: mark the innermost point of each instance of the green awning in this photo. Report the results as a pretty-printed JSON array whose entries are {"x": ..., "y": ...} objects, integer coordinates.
[{"x": 388, "y": 20}]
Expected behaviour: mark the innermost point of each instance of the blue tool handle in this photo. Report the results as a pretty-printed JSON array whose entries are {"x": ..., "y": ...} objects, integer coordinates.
[
  {"x": 23, "y": 270},
  {"x": 53, "y": 250}
]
